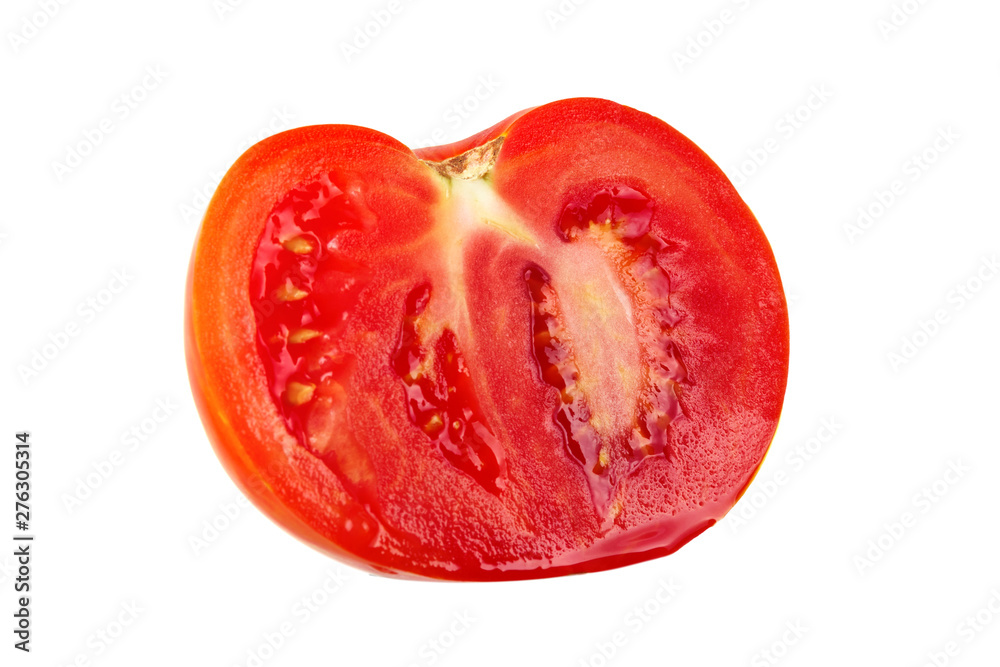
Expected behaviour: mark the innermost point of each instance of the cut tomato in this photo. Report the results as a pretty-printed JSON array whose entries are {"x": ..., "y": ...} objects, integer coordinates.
[{"x": 558, "y": 346}]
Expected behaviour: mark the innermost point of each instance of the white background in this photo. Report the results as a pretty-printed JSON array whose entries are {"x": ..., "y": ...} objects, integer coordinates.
[{"x": 823, "y": 547}]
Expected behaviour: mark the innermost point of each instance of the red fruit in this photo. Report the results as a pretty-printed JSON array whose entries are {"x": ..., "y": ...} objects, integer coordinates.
[{"x": 558, "y": 346}]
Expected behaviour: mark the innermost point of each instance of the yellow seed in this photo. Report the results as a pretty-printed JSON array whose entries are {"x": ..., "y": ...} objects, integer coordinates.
[
  {"x": 302, "y": 335},
  {"x": 616, "y": 509},
  {"x": 300, "y": 245},
  {"x": 433, "y": 424},
  {"x": 603, "y": 457},
  {"x": 456, "y": 424},
  {"x": 298, "y": 393},
  {"x": 289, "y": 292}
]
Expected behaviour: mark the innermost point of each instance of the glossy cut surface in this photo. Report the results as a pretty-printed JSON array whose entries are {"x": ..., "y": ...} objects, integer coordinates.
[{"x": 558, "y": 346}]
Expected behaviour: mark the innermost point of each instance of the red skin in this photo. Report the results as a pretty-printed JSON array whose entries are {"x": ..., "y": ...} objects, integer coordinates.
[{"x": 382, "y": 490}]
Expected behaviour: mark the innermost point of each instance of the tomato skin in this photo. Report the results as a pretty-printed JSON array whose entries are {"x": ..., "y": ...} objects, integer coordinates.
[
  {"x": 445, "y": 151},
  {"x": 230, "y": 385}
]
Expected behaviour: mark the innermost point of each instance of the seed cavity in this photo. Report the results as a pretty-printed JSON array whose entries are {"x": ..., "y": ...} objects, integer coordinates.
[
  {"x": 441, "y": 398},
  {"x": 619, "y": 208},
  {"x": 302, "y": 291},
  {"x": 556, "y": 368},
  {"x": 618, "y": 218}
]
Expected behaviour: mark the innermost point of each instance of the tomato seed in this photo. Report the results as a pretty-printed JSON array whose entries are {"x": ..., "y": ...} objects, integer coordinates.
[
  {"x": 302, "y": 335},
  {"x": 289, "y": 292},
  {"x": 300, "y": 245},
  {"x": 298, "y": 393}
]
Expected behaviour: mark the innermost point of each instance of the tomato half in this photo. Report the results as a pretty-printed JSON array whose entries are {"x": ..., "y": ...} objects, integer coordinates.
[{"x": 558, "y": 346}]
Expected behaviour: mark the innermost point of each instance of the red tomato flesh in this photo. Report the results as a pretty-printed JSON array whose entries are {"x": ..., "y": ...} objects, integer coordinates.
[{"x": 558, "y": 346}]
